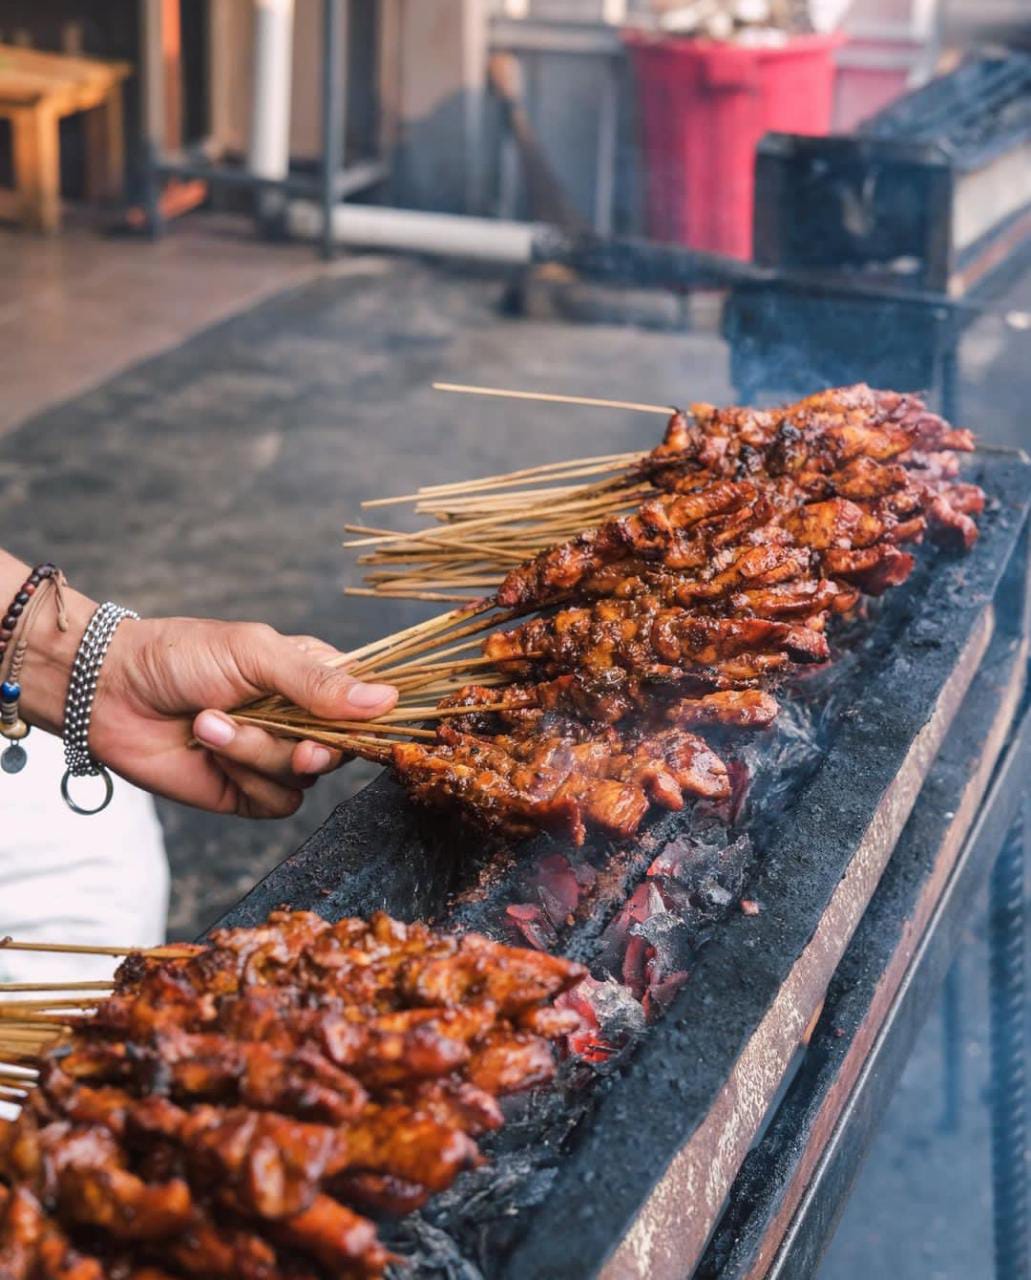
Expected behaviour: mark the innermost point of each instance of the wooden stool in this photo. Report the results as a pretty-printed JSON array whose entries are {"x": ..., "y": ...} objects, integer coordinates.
[{"x": 36, "y": 91}]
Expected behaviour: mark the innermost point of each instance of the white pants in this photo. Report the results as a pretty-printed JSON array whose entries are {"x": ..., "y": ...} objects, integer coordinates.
[{"x": 101, "y": 880}]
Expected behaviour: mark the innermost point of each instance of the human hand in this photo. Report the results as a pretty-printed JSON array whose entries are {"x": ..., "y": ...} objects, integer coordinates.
[{"x": 165, "y": 678}]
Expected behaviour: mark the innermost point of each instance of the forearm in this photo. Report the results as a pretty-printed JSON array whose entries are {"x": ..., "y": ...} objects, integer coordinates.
[{"x": 50, "y": 653}]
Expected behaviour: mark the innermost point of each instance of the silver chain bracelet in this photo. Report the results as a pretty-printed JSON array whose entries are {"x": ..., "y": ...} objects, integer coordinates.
[{"x": 78, "y": 706}]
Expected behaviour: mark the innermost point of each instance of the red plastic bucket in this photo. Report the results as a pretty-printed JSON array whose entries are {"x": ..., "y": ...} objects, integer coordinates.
[{"x": 703, "y": 108}]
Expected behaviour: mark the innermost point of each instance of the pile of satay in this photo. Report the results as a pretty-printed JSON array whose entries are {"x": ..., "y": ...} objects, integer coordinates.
[
  {"x": 579, "y": 693},
  {"x": 233, "y": 1111}
]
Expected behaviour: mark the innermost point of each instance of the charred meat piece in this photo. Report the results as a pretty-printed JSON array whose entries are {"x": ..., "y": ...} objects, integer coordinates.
[{"x": 555, "y": 777}]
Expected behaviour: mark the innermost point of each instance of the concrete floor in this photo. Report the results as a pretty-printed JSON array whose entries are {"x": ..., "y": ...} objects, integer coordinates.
[
  {"x": 79, "y": 307},
  {"x": 216, "y": 480}
]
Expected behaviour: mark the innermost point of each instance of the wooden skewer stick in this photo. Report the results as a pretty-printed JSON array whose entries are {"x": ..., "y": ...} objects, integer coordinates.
[
  {"x": 439, "y": 713},
  {"x": 402, "y": 593},
  {"x": 324, "y": 730},
  {"x": 418, "y": 668},
  {"x": 421, "y": 668},
  {"x": 556, "y": 471},
  {"x": 449, "y": 536},
  {"x": 399, "y": 639},
  {"x": 77, "y": 949},
  {"x": 553, "y": 398},
  {"x": 530, "y": 473},
  {"x": 422, "y": 644},
  {"x": 37, "y": 1021},
  {"x": 23, "y": 1035},
  {"x": 12, "y": 1072},
  {"x": 11, "y": 1094},
  {"x": 12, "y": 1008},
  {"x": 54, "y": 986}
]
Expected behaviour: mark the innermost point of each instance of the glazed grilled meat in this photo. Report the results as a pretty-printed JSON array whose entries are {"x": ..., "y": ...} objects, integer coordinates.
[
  {"x": 684, "y": 612},
  {"x": 561, "y": 776},
  {"x": 607, "y": 700},
  {"x": 757, "y": 538},
  {"x": 754, "y": 546},
  {"x": 879, "y": 464},
  {"x": 649, "y": 640},
  {"x": 851, "y": 442},
  {"x": 817, "y": 435},
  {"x": 229, "y": 1114}
]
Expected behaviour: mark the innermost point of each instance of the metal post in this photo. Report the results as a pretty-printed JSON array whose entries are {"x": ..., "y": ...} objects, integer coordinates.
[
  {"x": 153, "y": 109},
  {"x": 268, "y": 150},
  {"x": 1007, "y": 969},
  {"x": 333, "y": 44},
  {"x": 608, "y": 131}
]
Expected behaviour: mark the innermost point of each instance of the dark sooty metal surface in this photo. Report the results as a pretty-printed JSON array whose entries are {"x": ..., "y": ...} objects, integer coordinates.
[{"x": 574, "y": 1168}]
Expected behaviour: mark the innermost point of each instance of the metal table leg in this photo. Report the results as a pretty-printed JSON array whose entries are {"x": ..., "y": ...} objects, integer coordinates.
[{"x": 1009, "y": 1102}]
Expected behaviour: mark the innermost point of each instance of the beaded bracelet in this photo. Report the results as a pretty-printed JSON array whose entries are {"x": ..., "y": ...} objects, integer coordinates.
[{"x": 12, "y": 726}]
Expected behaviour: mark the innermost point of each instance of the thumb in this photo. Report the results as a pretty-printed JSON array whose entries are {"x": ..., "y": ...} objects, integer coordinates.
[{"x": 306, "y": 674}]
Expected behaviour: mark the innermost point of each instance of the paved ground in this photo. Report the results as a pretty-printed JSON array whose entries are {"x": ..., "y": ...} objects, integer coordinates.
[
  {"x": 216, "y": 479},
  {"x": 77, "y": 307}
]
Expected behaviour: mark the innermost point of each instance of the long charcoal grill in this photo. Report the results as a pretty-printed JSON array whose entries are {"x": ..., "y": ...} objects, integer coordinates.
[{"x": 649, "y": 1165}]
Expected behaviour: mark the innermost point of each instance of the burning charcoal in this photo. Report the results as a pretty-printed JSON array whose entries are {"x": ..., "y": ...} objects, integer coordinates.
[{"x": 533, "y": 925}]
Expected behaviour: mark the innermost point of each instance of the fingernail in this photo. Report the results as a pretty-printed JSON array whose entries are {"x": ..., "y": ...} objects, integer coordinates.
[
  {"x": 214, "y": 730},
  {"x": 319, "y": 758},
  {"x": 369, "y": 695}
]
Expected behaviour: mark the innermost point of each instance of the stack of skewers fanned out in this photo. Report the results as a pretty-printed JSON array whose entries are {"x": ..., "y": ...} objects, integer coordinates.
[
  {"x": 672, "y": 596},
  {"x": 232, "y": 1111}
]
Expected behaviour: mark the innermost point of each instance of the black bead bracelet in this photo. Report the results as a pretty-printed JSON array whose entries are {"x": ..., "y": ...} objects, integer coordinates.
[
  {"x": 12, "y": 726},
  {"x": 17, "y": 606}
]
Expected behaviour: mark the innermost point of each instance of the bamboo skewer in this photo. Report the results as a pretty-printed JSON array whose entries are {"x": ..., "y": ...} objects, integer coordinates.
[
  {"x": 54, "y": 986},
  {"x": 12, "y": 1009},
  {"x": 505, "y": 477},
  {"x": 450, "y": 535},
  {"x": 429, "y": 597},
  {"x": 81, "y": 949},
  {"x": 10, "y": 1078},
  {"x": 486, "y": 484},
  {"x": 518, "y": 511},
  {"x": 386, "y": 642},
  {"x": 549, "y": 397},
  {"x": 322, "y": 730},
  {"x": 24, "y": 1035}
]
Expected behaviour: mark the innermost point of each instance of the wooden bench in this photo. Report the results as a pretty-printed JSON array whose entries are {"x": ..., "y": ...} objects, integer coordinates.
[{"x": 36, "y": 91}]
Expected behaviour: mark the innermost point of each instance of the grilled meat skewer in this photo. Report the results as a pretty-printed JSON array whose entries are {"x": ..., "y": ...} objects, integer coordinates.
[
  {"x": 648, "y": 639},
  {"x": 221, "y": 1113},
  {"x": 607, "y": 700},
  {"x": 560, "y": 776}
]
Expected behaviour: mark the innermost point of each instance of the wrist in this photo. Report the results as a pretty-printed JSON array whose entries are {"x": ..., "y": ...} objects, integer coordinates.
[{"x": 48, "y": 664}]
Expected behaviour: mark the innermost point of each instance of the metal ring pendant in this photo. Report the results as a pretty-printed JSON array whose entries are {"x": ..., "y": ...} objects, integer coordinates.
[{"x": 109, "y": 790}]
